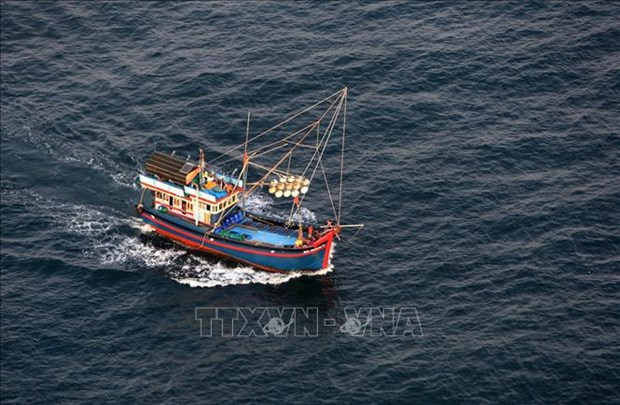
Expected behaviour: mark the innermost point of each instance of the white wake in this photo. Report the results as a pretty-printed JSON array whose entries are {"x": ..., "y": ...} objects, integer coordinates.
[{"x": 109, "y": 241}]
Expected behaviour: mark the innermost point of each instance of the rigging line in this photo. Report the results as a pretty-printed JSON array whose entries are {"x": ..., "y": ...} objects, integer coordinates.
[
  {"x": 288, "y": 166},
  {"x": 296, "y": 115},
  {"x": 254, "y": 154},
  {"x": 311, "y": 126},
  {"x": 276, "y": 165},
  {"x": 324, "y": 142},
  {"x": 259, "y": 166},
  {"x": 282, "y": 142},
  {"x": 300, "y": 145},
  {"x": 245, "y": 157},
  {"x": 265, "y": 168},
  {"x": 331, "y": 200},
  {"x": 141, "y": 197},
  {"x": 359, "y": 229},
  {"x": 282, "y": 146},
  {"x": 325, "y": 137},
  {"x": 318, "y": 133},
  {"x": 204, "y": 237},
  {"x": 281, "y": 123},
  {"x": 344, "y": 125},
  {"x": 329, "y": 194},
  {"x": 295, "y": 145},
  {"x": 268, "y": 173},
  {"x": 268, "y": 151}
]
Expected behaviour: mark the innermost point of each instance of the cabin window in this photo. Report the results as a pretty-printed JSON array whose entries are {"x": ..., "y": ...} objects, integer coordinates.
[
  {"x": 183, "y": 205},
  {"x": 190, "y": 207},
  {"x": 158, "y": 195},
  {"x": 171, "y": 201}
]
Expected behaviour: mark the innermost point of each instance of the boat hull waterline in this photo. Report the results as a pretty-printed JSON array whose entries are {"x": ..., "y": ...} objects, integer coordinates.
[{"x": 281, "y": 260}]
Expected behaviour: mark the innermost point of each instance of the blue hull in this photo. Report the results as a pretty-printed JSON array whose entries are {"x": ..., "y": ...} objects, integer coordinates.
[{"x": 268, "y": 258}]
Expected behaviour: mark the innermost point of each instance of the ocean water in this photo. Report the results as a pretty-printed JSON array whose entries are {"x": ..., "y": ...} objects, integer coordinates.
[{"x": 482, "y": 154}]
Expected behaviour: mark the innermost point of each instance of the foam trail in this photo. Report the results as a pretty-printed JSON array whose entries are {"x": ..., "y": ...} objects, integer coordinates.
[
  {"x": 65, "y": 152},
  {"x": 208, "y": 274},
  {"x": 109, "y": 244},
  {"x": 190, "y": 269},
  {"x": 132, "y": 251},
  {"x": 262, "y": 204},
  {"x": 221, "y": 275}
]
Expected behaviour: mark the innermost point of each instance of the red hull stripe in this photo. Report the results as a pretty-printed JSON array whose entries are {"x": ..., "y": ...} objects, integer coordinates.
[
  {"x": 240, "y": 249},
  {"x": 197, "y": 246},
  {"x": 326, "y": 256}
]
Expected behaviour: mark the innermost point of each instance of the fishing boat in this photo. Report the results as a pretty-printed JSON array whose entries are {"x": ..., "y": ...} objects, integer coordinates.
[{"x": 203, "y": 206}]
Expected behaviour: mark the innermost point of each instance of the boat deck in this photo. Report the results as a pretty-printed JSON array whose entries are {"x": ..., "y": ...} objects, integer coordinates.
[
  {"x": 253, "y": 231},
  {"x": 259, "y": 232}
]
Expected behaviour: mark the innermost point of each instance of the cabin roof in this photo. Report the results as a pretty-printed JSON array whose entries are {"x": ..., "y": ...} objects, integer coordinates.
[{"x": 170, "y": 167}]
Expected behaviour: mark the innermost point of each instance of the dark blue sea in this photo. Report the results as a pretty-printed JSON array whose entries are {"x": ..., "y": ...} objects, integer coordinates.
[{"x": 483, "y": 155}]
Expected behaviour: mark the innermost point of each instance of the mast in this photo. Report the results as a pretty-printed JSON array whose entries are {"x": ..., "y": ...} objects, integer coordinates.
[
  {"x": 245, "y": 161},
  {"x": 202, "y": 165},
  {"x": 344, "y": 125}
]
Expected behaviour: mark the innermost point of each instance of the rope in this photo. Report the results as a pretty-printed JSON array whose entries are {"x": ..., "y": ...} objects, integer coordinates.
[
  {"x": 283, "y": 140},
  {"x": 344, "y": 125},
  {"x": 281, "y": 143},
  {"x": 324, "y": 142},
  {"x": 278, "y": 125},
  {"x": 141, "y": 197},
  {"x": 329, "y": 194},
  {"x": 274, "y": 167}
]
